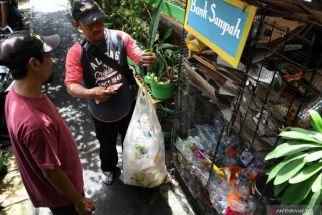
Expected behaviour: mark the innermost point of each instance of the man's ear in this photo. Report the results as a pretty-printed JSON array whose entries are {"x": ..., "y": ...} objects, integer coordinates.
[
  {"x": 33, "y": 63},
  {"x": 75, "y": 23}
]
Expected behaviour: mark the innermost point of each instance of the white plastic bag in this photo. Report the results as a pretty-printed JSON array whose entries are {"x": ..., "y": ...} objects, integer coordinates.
[{"x": 143, "y": 147}]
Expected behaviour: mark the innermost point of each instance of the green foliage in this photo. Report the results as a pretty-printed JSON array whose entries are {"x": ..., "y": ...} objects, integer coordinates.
[
  {"x": 131, "y": 17},
  {"x": 296, "y": 193},
  {"x": 316, "y": 121},
  {"x": 298, "y": 177},
  {"x": 167, "y": 56},
  {"x": 141, "y": 19},
  {"x": 306, "y": 173},
  {"x": 70, "y": 3},
  {"x": 315, "y": 199},
  {"x": 289, "y": 170},
  {"x": 317, "y": 183},
  {"x": 154, "y": 25},
  {"x": 290, "y": 147}
]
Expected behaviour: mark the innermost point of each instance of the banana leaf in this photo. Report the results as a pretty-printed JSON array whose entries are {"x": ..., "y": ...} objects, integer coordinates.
[
  {"x": 311, "y": 133},
  {"x": 317, "y": 185},
  {"x": 288, "y": 148},
  {"x": 299, "y": 136},
  {"x": 296, "y": 193},
  {"x": 313, "y": 156},
  {"x": 273, "y": 172},
  {"x": 315, "y": 199},
  {"x": 289, "y": 170},
  {"x": 302, "y": 130},
  {"x": 316, "y": 120},
  {"x": 279, "y": 188},
  {"x": 306, "y": 173}
]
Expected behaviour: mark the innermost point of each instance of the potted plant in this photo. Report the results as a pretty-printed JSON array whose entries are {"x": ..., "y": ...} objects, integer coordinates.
[
  {"x": 161, "y": 77},
  {"x": 298, "y": 173}
]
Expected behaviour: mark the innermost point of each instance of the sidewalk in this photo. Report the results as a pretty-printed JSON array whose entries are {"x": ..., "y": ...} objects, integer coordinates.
[{"x": 49, "y": 17}]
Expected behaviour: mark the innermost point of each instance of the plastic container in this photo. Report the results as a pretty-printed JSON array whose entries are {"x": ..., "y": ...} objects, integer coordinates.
[{"x": 162, "y": 91}]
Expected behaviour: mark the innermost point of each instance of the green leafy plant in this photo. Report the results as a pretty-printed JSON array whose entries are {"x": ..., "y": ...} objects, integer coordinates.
[
  {"x": 130, "y": 16},
  {"x": 167, "y": 66},
  {"x": 142, "y": 23},
  {"x": 167, "y": 57},
  {"x": 298, "y": 175}
]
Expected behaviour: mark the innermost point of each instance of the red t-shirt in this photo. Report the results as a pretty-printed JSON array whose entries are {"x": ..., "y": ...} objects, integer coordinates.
[
  {"x": 74, "y": 70},
  {"x": 41, "y": 140}
]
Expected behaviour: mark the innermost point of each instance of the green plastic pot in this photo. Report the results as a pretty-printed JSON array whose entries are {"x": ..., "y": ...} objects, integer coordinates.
[{"x": 162, "y": 91}]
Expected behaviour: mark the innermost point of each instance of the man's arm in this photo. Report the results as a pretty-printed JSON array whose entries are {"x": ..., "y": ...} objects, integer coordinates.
[
  {"x": 58, "y": 179},
  {"x": 99, "y": 93},
  {"x": 74, "y": 76},
  {"x": 79, "y": 91},
  {"x": 146, "y": 59}
]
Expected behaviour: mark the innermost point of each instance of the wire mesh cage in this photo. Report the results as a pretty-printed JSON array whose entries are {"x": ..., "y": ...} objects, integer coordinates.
[{"x": 283, "y": 58}]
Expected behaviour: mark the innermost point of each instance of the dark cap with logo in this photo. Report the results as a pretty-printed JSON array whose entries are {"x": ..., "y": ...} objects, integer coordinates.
[
  {"x": 20, "y": 46},
  {"x": 87, "y": 11}
]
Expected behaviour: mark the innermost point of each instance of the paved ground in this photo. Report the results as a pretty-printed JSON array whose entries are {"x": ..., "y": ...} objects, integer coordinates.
[{"x": 49, "y": 17}]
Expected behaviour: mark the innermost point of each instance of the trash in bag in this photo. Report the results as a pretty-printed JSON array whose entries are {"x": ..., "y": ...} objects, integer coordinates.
[{"x": 143, "y": 147}]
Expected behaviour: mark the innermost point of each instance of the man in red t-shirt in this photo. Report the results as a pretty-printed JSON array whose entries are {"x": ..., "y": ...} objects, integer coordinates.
[
  {"x": 107, "y": 88},
  {"x": 43, "y": 145}
]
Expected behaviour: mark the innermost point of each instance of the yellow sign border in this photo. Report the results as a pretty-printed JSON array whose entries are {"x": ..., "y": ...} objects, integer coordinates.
[{"x": 232, "y": 60}]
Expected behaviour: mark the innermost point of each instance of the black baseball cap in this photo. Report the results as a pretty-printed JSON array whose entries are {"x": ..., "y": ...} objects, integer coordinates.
[
  {"x": 20, "y": 46},
  {"x": 87, "y": 11}
]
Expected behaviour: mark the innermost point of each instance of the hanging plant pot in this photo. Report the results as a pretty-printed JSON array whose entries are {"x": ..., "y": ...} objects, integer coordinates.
[{"x": 162, "y": 90}]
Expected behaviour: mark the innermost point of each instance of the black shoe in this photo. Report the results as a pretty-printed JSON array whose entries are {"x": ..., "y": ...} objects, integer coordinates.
[{"x": 117, "y": 172}]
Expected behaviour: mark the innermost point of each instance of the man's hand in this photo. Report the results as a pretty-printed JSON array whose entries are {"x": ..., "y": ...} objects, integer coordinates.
[
  {"x": 148, "y": 59},
  {"x": 101, "y": 94},
  {"x": 62, "y": 184},
  {"x": 85, "y": 206}
]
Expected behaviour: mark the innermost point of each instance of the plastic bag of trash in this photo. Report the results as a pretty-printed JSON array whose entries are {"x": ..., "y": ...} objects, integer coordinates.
[{"x": 143, "y": 147}]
